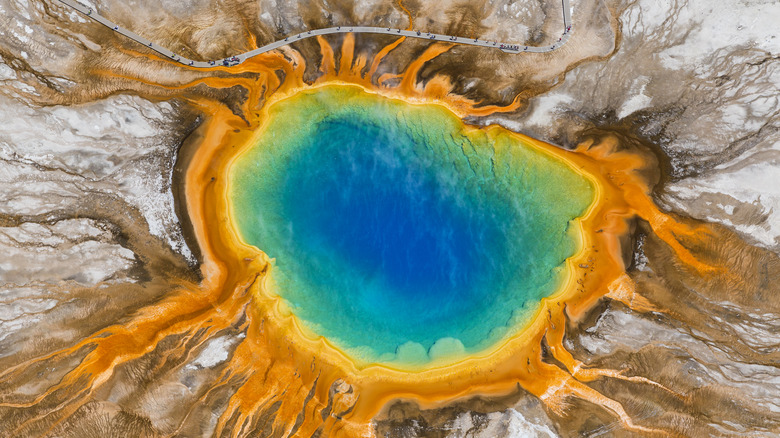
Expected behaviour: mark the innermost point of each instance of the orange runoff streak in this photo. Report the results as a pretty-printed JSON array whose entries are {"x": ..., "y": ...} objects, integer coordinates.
[{"x": 400, "y": 4}]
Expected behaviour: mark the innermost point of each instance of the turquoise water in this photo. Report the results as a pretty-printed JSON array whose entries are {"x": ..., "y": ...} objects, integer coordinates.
[{"x": 397, "y": 236}]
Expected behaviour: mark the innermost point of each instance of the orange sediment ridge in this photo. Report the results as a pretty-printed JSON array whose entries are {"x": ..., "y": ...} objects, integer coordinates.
[{"x": 313, "y": 386}]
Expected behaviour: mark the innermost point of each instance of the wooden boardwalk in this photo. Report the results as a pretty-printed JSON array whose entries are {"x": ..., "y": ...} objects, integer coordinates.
[{"x": 236, "y": 59}]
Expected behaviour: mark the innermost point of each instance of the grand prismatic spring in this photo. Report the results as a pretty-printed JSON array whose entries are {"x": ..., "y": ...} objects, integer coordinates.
[
  {"x": 391, "y": 218},
  {"x": 375, "y": 250}
]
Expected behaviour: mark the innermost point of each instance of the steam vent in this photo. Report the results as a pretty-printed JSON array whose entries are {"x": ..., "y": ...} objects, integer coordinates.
[{"x": 389, "y": 219}]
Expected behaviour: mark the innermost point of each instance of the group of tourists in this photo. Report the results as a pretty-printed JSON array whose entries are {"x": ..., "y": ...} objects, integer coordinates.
[{"x": 511, "y": 47}]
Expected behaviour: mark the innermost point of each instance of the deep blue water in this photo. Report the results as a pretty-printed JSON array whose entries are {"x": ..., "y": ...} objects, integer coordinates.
[{"x": 386, "y": 215}]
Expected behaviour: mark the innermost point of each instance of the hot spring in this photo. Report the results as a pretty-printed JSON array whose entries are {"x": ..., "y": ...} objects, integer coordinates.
[{"x": 401, "y": 235}]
